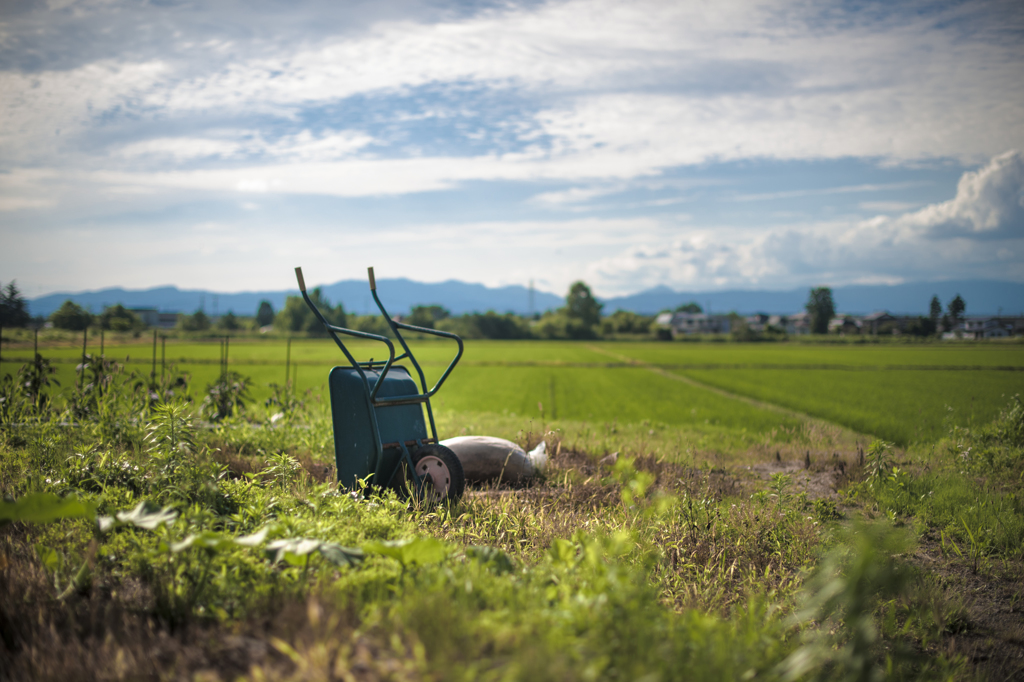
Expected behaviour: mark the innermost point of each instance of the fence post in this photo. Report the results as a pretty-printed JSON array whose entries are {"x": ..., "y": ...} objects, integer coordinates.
[
  {"x": 81, "y": 379},
  {"x": 152, "y": 372},
  {"x": 288, "y": 363}
]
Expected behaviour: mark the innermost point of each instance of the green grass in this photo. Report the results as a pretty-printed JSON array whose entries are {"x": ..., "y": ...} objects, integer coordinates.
[
  {"x": 623, "y": 395},
  {"x": 807, "y": 355},
  {"x": 674, "y": 562},
  {"x": 903, "y": 406},
  {"x": 895, "y": 391}
]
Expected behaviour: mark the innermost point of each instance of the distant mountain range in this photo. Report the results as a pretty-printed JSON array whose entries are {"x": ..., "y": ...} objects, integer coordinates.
[
  {"x": 983, "y": 297},
  {"x": 398, "y": 296}
]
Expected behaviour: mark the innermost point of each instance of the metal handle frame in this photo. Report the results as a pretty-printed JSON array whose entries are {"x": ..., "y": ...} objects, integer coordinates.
[{"x": 386, "y": 365}]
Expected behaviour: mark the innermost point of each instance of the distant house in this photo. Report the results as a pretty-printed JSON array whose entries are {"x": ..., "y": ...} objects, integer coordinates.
[
  {"x": 758, "y": 322},
  {"x": 798, "y": 323},
  {"x": 989, "y": 327},
  {"x": 845, "y": 325},
  {"x": 682, "y": 324},
  {"x": 879, "y": 322},
  {"x": 152, "y": 317},
  {"x": 149, "y": 316}
]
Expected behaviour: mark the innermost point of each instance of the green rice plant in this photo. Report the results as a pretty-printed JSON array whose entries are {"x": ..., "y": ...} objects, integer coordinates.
[
  {"x": 902, "y": 406},
  {"x": 879, "y": 462},
  {"x": 226, "y": 397},
  {"x": 780, "y": 484},
  {"x": 281, "y": 470},
  {"x": 37, "y": 377}
]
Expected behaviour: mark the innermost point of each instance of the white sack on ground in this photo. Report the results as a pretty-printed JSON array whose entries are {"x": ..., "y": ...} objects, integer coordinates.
[{"x": 485, "y": 458}]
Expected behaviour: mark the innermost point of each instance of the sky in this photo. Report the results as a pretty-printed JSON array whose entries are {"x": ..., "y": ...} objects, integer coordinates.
[{"x": 696, "y": 145}]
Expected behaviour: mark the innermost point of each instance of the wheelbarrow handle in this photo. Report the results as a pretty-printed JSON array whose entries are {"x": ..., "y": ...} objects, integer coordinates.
[
  {"x": 396, "y": 326},
  {"x": 331, "y": 329}
]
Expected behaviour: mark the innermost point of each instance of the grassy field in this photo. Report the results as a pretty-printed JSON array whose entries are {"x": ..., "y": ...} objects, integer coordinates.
[
  {"x": 902, "y": 393},
  {"x": 903, "y": 406},
  {"x": 732, "y": 537}
]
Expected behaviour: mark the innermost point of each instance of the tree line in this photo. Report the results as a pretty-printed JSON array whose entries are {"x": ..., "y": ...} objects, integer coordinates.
[
  {"x": 580, "y": 318},
  {"x": 821, "y": 309}
]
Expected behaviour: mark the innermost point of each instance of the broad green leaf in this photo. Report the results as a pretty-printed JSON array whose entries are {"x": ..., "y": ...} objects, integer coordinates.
[
  {"x": 52, "y": 561},
  {"x": 292, "y": 550},
  {"x": 145, "y": 515},
  {"x": 45, "y": 508},
  {"x": 414, "y": 552},
  {"x": 491, "y": 557},
  {"x": 256, "y": 538},
  {"x": 341, "y": 556},
  {"x": 207, "y": 539},
  {"x": 562, "y": 551},
  {"x": 80, "y": 583}
]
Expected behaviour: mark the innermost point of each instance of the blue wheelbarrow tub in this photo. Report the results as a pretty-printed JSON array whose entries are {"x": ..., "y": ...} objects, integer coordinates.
[{"x": 357, "y": 444}]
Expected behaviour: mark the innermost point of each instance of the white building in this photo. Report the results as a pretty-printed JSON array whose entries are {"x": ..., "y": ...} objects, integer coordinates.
[{"x": 694, "y": 323}]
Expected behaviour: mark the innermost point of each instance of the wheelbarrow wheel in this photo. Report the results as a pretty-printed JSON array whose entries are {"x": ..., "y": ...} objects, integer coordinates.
[{"x": 441, "y": 471}]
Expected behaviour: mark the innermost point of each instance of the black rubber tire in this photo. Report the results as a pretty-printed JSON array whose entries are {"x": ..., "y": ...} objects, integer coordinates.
[{"x": 437, "y": 460}]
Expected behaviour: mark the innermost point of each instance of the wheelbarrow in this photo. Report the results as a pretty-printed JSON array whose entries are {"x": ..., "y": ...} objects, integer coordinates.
[{"x": 380, "y": 434}]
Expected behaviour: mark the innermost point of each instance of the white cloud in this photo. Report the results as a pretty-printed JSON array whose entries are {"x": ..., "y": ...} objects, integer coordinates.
[
  {"x": 988, "y": 201},
  {"x": 302, "y": 146},
  {"x": 182, "y": 148},
  {"x": 975, "y": 234},
  {"x": 595, "y": 97},
  {"x": 574, "y": 195},
  {"x": 42, "y": 113},
  {"x": 887, "y": 206},
  {"x": 629, "y": 87}
]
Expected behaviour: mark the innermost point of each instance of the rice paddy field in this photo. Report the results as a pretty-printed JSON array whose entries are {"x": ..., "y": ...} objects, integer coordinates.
[
  {"x": 906, "y": 394},
  {"x": 712, "y": 511}
]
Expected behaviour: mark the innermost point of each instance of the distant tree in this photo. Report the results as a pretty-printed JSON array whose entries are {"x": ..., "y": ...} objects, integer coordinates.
[
  {"x": 119, "y": 319},
  {"x": 196, "y": 322},
  {"x": 626, "y": 322},
  {"x": 374, "y": 324},
  {"x": 265, "y": 314},
  {"x": 935, "y": 311},
  {"x": 922, "y": 326},
  {"x": 13, "y": 308},
  {"x": 297, "y": 317},
  {"x": 821, "y": 309},
  {"x": 228, "y": 322},
  {"x": 489, "y": 325},
  {"x": 956, "y": 309},
  {"x": 427, "y": 315},
  {"x": 558, "y": 325},
  {"x": 581, "y": 305},
  {"x": 71, "y": 316},
  {"x": 692, "y": 307}
]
